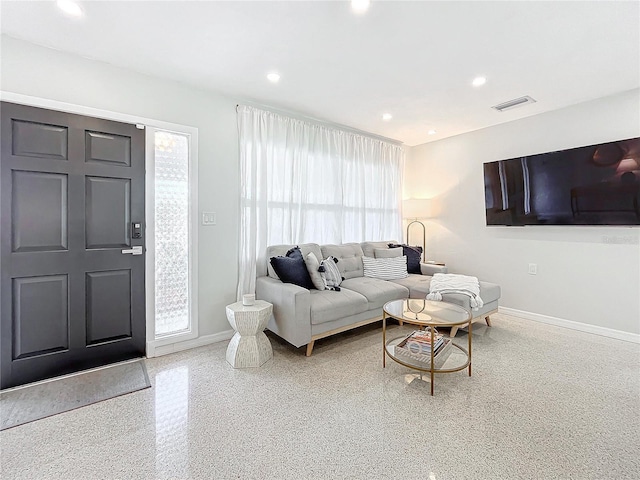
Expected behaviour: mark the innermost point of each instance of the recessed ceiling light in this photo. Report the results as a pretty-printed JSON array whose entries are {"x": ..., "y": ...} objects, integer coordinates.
[
  {"x": 479, "y": 81},
  {"x": 69, "y": 7},
  {"x": 387, "y": 116},
  {"x": 431, "y": 132},
  {"x": 273, "y": 77},
  {"x": 360, "y": 6}
]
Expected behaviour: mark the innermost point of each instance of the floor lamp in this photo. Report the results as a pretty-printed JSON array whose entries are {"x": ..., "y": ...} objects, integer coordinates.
[{"x": 414, "y": 209}]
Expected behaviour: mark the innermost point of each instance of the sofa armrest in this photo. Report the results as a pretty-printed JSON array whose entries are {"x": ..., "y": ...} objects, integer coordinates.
[
  {"x": 431, "y": 269},
  {"x": 291, "y": 318}
]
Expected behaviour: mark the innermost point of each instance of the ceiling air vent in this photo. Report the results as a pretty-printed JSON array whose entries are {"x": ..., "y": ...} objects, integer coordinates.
[{"x": 516, "y": 102}]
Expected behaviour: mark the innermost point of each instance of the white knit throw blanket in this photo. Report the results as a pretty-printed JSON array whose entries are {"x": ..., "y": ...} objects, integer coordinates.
[{"x": 450, "y": 283}]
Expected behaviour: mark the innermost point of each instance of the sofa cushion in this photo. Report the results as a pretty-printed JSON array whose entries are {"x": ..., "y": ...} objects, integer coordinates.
[
  {"x": 378, "y": 292},
  {"x": 281, "y": 250},
  {"x": 489, "y": 292},
  {"x": 349, "y": 256},
  {"x": 328, "y": 305},
  {"x": 292, "y": 269},
  {"x": 387, "y": 252},
  {"x": 368, "y": 248},
  {"x": 385, "y": 268},
  {"x": 418, "y": 285}
]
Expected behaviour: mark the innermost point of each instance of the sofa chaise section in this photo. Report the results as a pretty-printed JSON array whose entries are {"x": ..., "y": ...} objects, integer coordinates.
[{"x": 418, "y": 286}]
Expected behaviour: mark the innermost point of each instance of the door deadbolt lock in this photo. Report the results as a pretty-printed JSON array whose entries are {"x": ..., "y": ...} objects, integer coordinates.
[
  {"x": 136, "y": 230},
  {"x": 137, "y": 250}
]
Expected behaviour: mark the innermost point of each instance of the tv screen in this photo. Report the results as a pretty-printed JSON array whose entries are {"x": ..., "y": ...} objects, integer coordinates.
[{"x": 592, "y": 185}]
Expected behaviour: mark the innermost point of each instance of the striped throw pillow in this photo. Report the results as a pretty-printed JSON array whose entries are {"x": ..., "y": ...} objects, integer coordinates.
[
  {"x": 330, "y": 272},
  {"x": 385, "y": 268}
]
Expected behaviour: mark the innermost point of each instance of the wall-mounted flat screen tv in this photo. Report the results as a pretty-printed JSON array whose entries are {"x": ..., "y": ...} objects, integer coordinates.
[{"x": 592, "y": 185}]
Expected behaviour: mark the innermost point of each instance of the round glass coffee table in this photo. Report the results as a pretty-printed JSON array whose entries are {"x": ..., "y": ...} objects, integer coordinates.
[{"x": 417, "y": 351}]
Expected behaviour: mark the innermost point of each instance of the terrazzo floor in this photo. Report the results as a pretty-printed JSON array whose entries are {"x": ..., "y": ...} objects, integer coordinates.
[{"x": 543, "y": 402}]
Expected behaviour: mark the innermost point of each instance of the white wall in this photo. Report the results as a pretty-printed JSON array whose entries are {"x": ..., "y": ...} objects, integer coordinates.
[
  {"x": 36, "y": 71},
  {"x": 580, "y": 277}
]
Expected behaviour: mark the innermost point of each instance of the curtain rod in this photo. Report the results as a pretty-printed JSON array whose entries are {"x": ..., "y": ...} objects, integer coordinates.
[{"x": 319, "y": 122}]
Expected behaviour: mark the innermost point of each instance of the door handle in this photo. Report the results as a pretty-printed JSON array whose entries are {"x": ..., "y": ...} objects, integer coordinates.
[{"x": 134, "y": 250}]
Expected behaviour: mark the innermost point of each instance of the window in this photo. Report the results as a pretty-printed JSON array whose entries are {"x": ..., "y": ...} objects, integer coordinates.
[
  {"x": 171, "y": 233},
  {"x": 171, "y": 207},
  {"x": 305, "y": 182}
]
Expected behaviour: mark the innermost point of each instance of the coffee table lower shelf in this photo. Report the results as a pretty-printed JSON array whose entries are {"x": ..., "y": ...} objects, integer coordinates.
[
  {"x": 441, "y": 360},
  {"x": 453, "y": 358}
]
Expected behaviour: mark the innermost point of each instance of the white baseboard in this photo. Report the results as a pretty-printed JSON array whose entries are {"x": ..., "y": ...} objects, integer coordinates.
[
  {"x": 582, "y": 327},
  {"x": 154, "y": 350}
]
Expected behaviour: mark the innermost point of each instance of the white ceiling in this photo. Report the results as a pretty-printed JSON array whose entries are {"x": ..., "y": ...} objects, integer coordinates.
[{"x": 415, "y": 60}]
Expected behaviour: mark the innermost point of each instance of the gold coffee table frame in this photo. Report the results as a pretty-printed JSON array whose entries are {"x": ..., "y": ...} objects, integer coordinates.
[{"x": 428, "y": 314}]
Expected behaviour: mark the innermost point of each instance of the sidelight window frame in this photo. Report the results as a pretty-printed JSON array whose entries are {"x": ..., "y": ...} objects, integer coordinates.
[{"x": 162, "y": 344}]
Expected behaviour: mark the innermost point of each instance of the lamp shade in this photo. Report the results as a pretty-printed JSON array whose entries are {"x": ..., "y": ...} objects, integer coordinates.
[{"x": 416, "y": 208}]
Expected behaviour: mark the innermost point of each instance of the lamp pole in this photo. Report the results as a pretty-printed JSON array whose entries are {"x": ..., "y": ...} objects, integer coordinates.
[{"x": 424, "y": 237}]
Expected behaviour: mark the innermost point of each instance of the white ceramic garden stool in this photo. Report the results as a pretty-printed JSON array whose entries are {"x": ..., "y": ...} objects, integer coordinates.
[{"x": 249, "y": 347}]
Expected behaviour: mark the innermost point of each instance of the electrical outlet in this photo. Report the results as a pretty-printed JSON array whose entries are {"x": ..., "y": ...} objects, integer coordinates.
[
  {"x": 533, "y": 269},
  {"x": 208, "y": 218}
]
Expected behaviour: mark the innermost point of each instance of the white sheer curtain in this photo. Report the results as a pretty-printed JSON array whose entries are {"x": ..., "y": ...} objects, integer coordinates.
[{"x": 309, "y": 183}]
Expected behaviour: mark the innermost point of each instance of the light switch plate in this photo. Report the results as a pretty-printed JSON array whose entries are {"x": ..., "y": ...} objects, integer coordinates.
[{"x": 208, "y": 218}]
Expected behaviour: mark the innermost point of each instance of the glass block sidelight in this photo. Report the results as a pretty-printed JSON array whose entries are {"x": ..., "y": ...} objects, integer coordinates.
[{"x": 171, "y": 233}]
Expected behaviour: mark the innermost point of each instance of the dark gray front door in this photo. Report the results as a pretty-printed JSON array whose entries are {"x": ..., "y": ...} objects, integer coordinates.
[{"x": 71, "y": 190}]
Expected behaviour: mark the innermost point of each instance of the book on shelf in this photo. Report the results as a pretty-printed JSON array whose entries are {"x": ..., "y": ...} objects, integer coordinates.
[
  {"x": 425, "y": 335},
  {"x": 440, "y": 354},
  {"x": 419, "y": 341}
]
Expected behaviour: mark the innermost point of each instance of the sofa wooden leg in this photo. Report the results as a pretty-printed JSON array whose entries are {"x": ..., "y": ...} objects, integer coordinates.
[
  {"x": 310, "y": 347},
  {"x": 488, "y": 320},
  {"x": 453, "y": 332},
  {"x": 400, "y": 322}
]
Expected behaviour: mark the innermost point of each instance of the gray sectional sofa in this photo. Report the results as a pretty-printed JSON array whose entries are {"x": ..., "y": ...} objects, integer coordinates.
[{"x": 302, "y": 316}]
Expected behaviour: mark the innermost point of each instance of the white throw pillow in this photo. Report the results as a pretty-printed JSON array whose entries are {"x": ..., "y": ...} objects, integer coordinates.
[
  {"x": 385, "y": 268},
  {"x": 313, "y": 266}
]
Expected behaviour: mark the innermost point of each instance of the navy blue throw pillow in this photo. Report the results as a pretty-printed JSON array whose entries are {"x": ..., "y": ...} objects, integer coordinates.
[
  {"x": 292, "y": 269},
  {"x": 414, "y": 255}
]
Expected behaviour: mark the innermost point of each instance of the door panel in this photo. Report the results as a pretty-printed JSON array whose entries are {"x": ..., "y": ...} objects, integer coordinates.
[
  {"x": 102, "y": 147},
  {"x": 30, "y": 139},
  {"x": 107, "y": 320},
  {"x": 70, "y": 187},
  {"x": 39, "y": 222},
  {"x": 40, "y": 315},
  {"x": 108, "y": 214}
]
